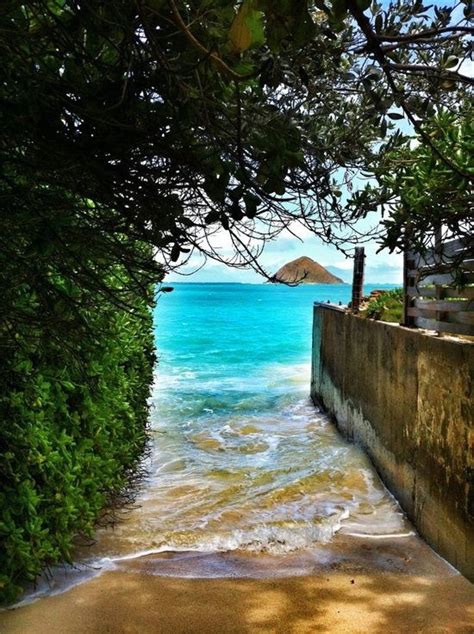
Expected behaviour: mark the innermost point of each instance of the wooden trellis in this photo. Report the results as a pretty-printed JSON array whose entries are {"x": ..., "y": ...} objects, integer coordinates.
[{"x": 439, "y": 287}]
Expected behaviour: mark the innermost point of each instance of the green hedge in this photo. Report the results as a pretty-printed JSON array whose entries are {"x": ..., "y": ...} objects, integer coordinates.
[{"x": 73, "y": 420}]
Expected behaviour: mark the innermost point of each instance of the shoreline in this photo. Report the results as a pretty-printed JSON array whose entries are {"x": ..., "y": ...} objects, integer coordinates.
[
  {"x": 382, "y": 585},
  {"x": 403, "y": 552}
]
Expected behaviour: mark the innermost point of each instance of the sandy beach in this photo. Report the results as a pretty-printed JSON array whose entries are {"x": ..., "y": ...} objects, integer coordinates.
[
  {"x": 376, "y": 586},
  {"x": 131, "y": 603}
]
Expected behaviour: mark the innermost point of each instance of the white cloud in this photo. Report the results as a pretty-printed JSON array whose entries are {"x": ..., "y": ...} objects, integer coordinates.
[{"x": 380, "y": 267}]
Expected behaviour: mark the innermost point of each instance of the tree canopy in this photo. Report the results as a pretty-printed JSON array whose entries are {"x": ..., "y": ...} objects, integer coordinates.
[
  {"x": 160, "y": 122},
  {"x": 131, "y": 132},
  {"x": 422, "y": 196}
]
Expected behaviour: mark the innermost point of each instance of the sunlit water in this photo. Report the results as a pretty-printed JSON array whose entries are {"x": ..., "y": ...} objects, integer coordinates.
[{"x": 241, "y": 459}]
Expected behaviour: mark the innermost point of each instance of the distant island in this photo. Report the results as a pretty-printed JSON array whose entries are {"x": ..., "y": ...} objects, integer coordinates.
[{"x": 304, "y": 270}]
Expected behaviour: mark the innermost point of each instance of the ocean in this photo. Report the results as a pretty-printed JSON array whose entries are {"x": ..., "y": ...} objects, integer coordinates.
[
  {"x": 245, "y": 476},
  {"x": 242, "y": 459}
]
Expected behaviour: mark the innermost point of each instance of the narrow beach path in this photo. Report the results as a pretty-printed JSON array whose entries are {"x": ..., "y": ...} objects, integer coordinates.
[
  {"x": 123, "y": 603},
  {"x": 256, "y": 515}
]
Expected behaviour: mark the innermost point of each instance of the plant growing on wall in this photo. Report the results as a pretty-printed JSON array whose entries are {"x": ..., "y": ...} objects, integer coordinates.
[{"x": 387, "y": 306}]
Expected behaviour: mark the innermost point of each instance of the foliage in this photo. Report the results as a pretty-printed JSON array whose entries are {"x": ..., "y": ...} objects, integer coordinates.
[
  {"x": 422, "y": 196},
  {"x": 183, "y": 119},
  {"x": 388, "y": 306},
  {"x": 74, "y": 416}
]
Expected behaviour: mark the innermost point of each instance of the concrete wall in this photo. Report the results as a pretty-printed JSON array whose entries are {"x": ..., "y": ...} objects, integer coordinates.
[{"x": 406, "y": 397}]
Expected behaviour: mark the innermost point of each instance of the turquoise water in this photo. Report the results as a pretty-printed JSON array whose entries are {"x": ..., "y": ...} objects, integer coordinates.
[
  {"x": 233, "y": 331},
  {"x": 241, "y": 462},
  {"x": 241, "y": 459},
  {"x": 220, "y": 344}
]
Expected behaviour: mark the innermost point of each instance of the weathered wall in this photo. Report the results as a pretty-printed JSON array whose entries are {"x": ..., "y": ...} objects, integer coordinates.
[{"x": 406, "y": 397}]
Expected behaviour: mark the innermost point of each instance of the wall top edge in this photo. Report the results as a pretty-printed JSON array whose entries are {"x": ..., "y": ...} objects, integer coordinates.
[
  {"x": 421, "y": 332},
  {"x": 340, "y": 309}
]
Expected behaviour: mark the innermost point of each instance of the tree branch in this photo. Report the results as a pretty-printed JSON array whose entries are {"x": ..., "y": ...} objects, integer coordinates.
[
  {"x": 373, "y": 46},
  {"x": 217, "y": 61},
  {"x": 409, "y": 37}
]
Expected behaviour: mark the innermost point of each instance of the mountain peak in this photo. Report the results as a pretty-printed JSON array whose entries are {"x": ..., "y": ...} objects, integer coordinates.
[{"x": 304, "y": 270}]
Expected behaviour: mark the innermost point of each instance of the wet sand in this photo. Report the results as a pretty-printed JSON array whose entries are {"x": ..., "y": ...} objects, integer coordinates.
[
  {"x": 371, "y": 586},
  {"x": 129, "y": 603}
]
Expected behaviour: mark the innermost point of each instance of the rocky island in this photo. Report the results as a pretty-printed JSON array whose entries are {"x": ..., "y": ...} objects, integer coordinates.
[{"x": 304, "y": 270}]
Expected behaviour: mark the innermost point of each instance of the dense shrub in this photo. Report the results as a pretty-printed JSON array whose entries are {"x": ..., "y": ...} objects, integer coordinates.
[
  {"x": 388, "y": 306},
  {"x": 73, "y": 417}
]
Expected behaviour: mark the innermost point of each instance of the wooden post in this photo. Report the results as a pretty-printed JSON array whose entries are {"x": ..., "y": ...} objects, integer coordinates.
[
  {"x": 410, "y": 281},
  {"x": 438, "y": 247},
  {"x": 408, "y": 285},
  {"x": 358, "y": 279}
]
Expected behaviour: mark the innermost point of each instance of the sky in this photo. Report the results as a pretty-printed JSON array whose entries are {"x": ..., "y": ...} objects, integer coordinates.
[{"x": 379, "y": 268}]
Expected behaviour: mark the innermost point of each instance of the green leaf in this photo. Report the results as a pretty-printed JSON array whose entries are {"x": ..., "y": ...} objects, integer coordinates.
[
  {"x": 339, "y": 9},
  {"x": 236, "y": 212},
  {"x": 247, "y": 27},
  {"x": 224, "y": 221},
  {"x": 251, "y": 205},
  {"x": 378, "y": 23},
  {"x": 175, "y": 251},
  {"x": 303, "y": 29},
  {"x": 235, "y": 194},
  {"x": 451, "y": 62}
]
